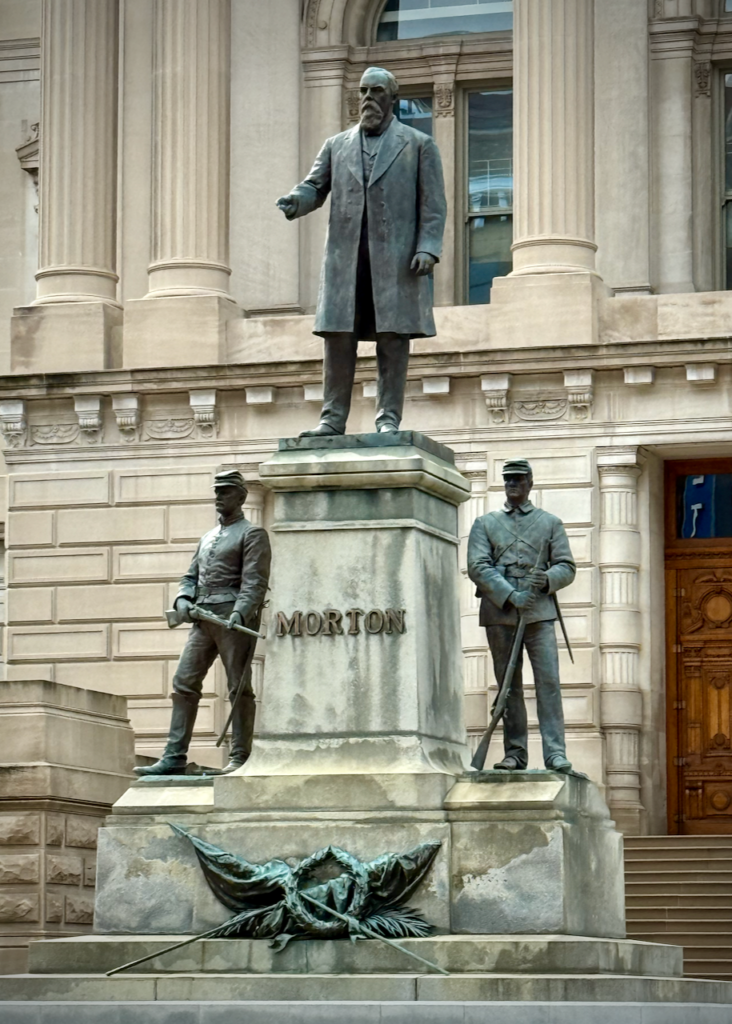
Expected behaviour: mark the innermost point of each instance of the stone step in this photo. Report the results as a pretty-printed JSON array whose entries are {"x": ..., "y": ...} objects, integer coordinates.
[
  {"x": 514, "y": 954},
  {"x": 694, "y": 901},
  {"x": 689, "y": 940},
  {"x": 670, "y": 886},
  {"x": 676, "y": 873},
  {"x": 388, "y": 987},
  {"x": 363, "y": 1012},
  {"x": 696, "y": 854},
  {"x": 691, "y": 917},
  {"x": 675, "y": 842}
]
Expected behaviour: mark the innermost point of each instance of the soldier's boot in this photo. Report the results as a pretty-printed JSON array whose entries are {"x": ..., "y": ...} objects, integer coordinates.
[
  {"x": 339, "y": 367},
  {"x": 242, "y": 733},
  {"x": 175, "y": 755},
  {"x": 558, "y": 763},
  {"x": 392, "y": 358}
]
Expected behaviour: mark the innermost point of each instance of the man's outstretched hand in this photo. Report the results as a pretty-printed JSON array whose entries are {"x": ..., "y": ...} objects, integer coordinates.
[
  {"x": 288, "y": 205},
  {"x": 423, "y": 263}
]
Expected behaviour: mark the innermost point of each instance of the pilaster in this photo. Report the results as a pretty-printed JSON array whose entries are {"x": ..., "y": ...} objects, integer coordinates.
[
  {"x": 621, "y": 699},
  {"x": 444, "y": 68}
]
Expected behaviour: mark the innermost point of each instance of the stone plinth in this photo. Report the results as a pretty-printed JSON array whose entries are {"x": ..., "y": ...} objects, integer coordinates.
[
  {"x": 363, "y": 671},
  {"x": 534, "y": 851},
  {"x": 67, "y": 755}
]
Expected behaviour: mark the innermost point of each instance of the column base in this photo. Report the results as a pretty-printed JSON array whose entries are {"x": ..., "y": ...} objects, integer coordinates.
[
  {"x": 547, "y": 309},
  {"x": 182, "y": 330},
  {"x": 67, "y": 336}
]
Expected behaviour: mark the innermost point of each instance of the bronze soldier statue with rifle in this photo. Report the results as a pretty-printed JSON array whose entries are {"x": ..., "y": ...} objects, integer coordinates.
[
  {"x": 518, "y": 558},
  {"x": 222, "y": 594}
]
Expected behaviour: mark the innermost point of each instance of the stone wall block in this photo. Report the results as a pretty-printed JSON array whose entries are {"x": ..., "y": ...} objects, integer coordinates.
[
  {"x": 32, "y": 567},
  {"x": 112, "y": 603},
  {"x": 20, "y": 908},
  {"x": 30, "y": 605},
  {"x": 57, "y": 643},
  {"x": 112, "y": 525},
  {"x": 621, "y": 547},
  {"x": 79, "y": 909},
  {"x": 54, "y": 908},
  {"x": 82, "y": 831},
  {"x": 30, "y": 529},
  {"x": 36, "y": 490},
  {"x": 130, "y": 679},
  {"x": 153, "y": 563},
  {"x": 147, "y": 640},
  {"x": 620, "y": 626},
  {"x": 19, "y": 868},
  {"x": 20, "y": 829},
  {"x": 190, "y": 522},
  {"x": 55, "y": 827},
  {"x": 163, "y": 485},
  {"x": 90, "y": 871},
  {"x": 621, "y": 708},
  {"x": 62, "y": 869}
]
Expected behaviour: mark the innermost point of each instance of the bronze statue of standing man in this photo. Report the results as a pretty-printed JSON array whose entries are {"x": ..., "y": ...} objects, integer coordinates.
[{"x": 387, "y": 218}]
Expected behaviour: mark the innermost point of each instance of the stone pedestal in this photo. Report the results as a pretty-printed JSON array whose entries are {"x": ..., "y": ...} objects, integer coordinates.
[{"x": 66, "y": 756}]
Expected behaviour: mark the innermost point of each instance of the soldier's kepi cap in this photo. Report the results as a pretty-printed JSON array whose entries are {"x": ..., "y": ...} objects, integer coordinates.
[
  {"x": 230, "y": 478},
  {"x": 516, "y": 467}
]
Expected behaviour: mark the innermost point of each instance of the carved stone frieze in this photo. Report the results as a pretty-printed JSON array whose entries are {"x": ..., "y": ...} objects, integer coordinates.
[
  {"x": 205, "y": 414},
  {"x": 53, "y": 433},
  {"x": 495, "y": 388},
  {"x": 703, "y": 76},
  {"x": 88, "y": 409},
  {"x": 444, "y": 100},
  {"x": 127, "y": 413},
  {"x": 353, "y": 105},
  {"x": 170, "y": 429},
  {"x": 580, "y": 387},
  {"x": 541, "y": 408}
]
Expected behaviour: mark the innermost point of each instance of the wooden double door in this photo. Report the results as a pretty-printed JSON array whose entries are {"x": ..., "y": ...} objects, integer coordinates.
[{"x": 699, "y": 649}]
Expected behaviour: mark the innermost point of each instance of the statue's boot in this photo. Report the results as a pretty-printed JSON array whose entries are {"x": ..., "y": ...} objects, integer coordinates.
[
  {"x": 558, "y": 763},
  {"x": 175, "y": 755},
  {"x": 508, "y": 764},
  {"x": 339, "y": 367},
  {"x": 392, "y": 358},
  {"x": 242, "y": 734}
]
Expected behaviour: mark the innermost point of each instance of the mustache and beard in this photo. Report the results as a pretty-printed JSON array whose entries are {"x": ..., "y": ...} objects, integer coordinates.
[{"x": 371, "y": 115}]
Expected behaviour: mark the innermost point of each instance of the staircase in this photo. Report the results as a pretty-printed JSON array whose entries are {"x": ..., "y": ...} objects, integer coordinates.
[{"x": 678, "y": 890}]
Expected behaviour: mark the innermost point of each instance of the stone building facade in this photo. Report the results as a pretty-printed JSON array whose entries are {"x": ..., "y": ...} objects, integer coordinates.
[{"x": 156, "y": 316}]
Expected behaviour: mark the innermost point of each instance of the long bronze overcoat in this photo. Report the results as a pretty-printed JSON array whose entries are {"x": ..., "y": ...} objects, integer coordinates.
[{"x": 406, "y": 209}]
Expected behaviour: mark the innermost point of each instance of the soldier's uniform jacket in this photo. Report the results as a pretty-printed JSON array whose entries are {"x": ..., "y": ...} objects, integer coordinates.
[
  {"x": 503, "y": 549},
  {"x": 231, "y": 565}
]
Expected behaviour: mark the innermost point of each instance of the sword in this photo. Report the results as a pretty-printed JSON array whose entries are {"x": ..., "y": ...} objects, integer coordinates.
[{"x": 499, "y": 708}]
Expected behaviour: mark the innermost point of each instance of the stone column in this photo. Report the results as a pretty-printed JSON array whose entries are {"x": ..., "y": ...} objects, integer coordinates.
[
  {"x": 621, "y": 700},
  {"x": 554, "y": 198},
  {"x": 77, "y": 193},
  {"x": 184, "y": 316}
]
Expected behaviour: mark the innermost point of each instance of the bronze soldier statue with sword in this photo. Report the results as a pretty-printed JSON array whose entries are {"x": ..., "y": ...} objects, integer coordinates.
[{"x": 519, "y": 557}]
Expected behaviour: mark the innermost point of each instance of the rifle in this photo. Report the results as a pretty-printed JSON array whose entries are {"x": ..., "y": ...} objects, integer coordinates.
[
  {"x": 499, "y": 708},
  {"x": 175, "y": 618}
]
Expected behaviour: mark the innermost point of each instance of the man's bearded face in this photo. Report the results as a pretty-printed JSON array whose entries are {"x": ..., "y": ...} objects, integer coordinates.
[{"x": 376, "y": 101}]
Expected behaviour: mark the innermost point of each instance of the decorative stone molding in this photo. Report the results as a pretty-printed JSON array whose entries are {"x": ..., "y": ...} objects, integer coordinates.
[
  {"x": 580, "y": 387},
  {"x": 29, "y": 153},
  {"x": 13, "y": 423},
  {"x": 259, "y": 396},
  {"x": 701, "y": 373},
  {"x": 254, "y": 505},
  {"x": 205, "y": 413},
  {"x": 127, "y": 413},
  {"x": 313, "y": 392},
  {"x": 495, "y": 388},
  {"x": 444, "y": 100},
  {"x": 703, "y": 76},
  {"x": 169, "y": 429},
  {"x": 353, "y": 105},
  {"x": 540, "y": 409},
  {"x": 621, "y": 700},
  {"x": 53, "y": 433},
  {"x": 88, "y": 409},
  {"x": 637, "y": 375},
  {"x": 436, "y": 386}
]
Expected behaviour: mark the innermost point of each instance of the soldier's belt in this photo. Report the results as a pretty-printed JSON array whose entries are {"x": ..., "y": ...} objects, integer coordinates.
[
  {"x": 516, "y": 573},
  {"x": 215, "y": 596}
]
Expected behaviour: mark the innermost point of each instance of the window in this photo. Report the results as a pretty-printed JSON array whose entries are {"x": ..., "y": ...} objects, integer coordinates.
[
  {"x": 417, "y": 113},
  {"x": 489, "y": 221},
  {"x": 728, "y": 5},
  {"x": 704, "y": 505},
  {"x": 415, "y": 19}
]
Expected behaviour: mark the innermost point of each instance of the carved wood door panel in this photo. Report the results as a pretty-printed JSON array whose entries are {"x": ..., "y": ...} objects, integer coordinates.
[{"x": 704, "y": 699}]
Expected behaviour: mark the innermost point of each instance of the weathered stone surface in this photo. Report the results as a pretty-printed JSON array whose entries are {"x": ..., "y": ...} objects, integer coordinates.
[
  {"x": 63, "y": 870},
  {"x": 90, "y": 871},
  {"x": 54, "y": 830},
  {"x": 54, "y": 908},
  {"x": 79, "y": 909},
  {"x": 82, "y": 831},
  {"x": 20, "y": 829},
  {"x": 17, "y": 907},
  {"x": 23, "y": 867}
]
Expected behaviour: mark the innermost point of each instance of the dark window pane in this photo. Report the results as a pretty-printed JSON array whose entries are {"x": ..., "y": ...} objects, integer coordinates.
[
  {"x": 728, "y": 131},
  {"x": 704, "y": 506},
  {"x": 417, "y": 113},
  {"x": 489, "y": 254},
  {"x": 490, "y": 151},
  {"x": 415, "y": 19},
  {"x": 728, "y": 5},
  {"x": 728, "y": 244}
]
